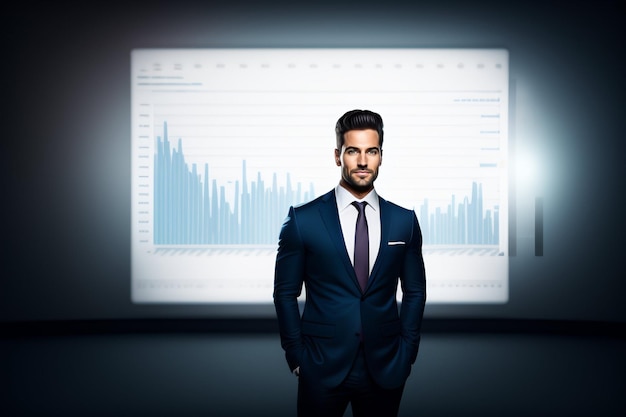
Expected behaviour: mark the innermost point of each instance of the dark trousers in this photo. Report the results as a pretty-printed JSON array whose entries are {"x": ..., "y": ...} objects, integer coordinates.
[{"x": 358, "y": 389}]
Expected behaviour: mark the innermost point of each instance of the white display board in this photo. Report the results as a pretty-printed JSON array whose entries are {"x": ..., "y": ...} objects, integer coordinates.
[{"x": 223, "y": 141}]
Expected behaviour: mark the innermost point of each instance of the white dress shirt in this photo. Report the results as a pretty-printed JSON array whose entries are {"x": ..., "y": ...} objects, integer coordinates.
[{"x": 347, "y": 217}]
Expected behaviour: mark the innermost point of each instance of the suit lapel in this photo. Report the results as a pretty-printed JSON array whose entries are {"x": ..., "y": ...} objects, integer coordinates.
[
  {"x": 330, "y": 217},
  {"x": 385, "y": 226}
]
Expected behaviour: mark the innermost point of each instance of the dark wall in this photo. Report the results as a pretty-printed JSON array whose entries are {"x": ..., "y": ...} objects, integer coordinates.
[{"x": 65, "y": 155}]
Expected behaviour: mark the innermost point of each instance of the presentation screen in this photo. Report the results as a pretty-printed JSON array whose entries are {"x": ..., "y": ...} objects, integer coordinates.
[{"x": 224, "y": 141}]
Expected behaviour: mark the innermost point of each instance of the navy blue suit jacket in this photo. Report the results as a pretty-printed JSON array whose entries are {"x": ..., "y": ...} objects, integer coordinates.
[{"x": 323, "y": 340}]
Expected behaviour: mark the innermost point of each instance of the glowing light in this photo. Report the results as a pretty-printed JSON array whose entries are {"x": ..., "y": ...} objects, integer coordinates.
[{"x": 527, "y": 168}]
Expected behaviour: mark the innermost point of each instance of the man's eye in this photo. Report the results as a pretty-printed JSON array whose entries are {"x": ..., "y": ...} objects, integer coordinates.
[
  {"x": 351, "y": 151},
  {"x": 373, "y": 152}
]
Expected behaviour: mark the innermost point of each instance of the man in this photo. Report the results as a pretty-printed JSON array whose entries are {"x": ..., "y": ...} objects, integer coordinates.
[{"x": 351, "y": 345}]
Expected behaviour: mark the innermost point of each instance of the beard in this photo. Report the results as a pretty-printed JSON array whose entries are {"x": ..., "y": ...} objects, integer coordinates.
[{"x": 357, "y": 184}]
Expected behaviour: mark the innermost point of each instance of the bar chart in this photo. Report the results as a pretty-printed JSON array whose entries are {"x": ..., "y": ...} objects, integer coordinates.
[{"x": 190, "y": 211}]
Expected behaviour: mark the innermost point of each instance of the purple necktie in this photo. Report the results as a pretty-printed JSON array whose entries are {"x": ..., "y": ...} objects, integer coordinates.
[{"x": 361, "y": 246}]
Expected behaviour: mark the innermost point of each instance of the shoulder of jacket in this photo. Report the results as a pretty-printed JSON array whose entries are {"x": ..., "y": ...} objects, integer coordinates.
[
  {"x": 315, "y": 202},
  {"x": 393, "y": 206}
]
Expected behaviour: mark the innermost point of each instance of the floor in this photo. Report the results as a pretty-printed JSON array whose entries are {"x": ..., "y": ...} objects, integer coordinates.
[{"x": 193, "y": 374}]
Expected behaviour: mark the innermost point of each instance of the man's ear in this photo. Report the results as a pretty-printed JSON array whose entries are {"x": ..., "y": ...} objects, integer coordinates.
[{"x": 338, "y": 157}]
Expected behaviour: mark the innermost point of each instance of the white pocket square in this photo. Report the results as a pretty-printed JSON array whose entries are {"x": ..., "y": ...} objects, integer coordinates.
[{"x": 397, "y": 242}]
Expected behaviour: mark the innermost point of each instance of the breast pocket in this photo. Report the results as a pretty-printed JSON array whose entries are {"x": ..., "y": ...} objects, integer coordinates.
[{"x": 393, "y": 257}]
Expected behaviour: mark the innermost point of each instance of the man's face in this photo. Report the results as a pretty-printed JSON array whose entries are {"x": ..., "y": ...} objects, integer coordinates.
[{"x": 359, "y": 159}]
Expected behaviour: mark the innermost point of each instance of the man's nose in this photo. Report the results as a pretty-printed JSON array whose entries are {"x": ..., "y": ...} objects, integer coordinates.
[{"x": 362, "y": 159}]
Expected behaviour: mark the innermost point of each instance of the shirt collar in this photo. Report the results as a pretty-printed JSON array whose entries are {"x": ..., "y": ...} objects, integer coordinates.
[{"x": 345, "y": 199}]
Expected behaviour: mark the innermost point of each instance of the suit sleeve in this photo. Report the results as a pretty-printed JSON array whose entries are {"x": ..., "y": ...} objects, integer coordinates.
[
  {"x": 413, "y": 282},
  {"x": 288, "y": 281}
]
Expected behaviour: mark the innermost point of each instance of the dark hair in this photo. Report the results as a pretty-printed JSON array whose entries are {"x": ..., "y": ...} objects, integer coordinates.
[{"x": 359, "y": 120}]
